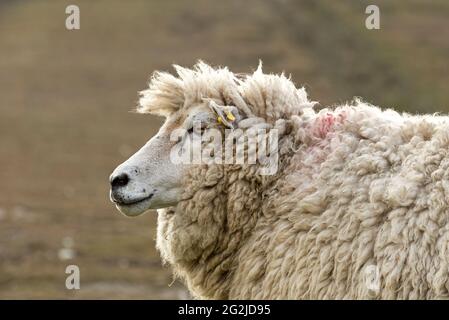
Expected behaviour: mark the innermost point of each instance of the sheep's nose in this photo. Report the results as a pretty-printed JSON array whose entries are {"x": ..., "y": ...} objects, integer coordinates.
[{"x": 120, "y": 180}]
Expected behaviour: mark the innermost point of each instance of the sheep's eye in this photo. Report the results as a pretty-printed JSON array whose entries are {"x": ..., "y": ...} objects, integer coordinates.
[
  {"x": 203, "y": 127},
  {"x": 197, "y": 129}
]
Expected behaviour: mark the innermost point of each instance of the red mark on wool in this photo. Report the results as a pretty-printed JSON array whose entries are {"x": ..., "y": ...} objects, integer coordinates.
[
  {"x": 326, "y": 123},
  {"x": 321, "y": 131}
]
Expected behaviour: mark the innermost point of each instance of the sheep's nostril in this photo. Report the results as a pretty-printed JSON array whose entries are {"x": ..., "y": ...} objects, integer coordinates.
[{"x": 120, "y": 181}]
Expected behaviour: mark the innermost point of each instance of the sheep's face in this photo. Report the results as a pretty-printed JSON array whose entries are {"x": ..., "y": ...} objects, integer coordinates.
[{"x": 152, "y": 178}]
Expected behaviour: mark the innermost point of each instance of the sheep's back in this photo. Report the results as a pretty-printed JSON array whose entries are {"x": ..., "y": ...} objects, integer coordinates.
[{"x": 361, "y": 212}]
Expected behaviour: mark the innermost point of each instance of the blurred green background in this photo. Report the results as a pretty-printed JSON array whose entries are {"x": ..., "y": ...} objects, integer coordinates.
[{"x": 65, "y": 124}]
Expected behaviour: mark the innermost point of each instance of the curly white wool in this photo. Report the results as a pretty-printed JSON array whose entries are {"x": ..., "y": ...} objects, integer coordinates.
[{"x": 357, "y": 187}]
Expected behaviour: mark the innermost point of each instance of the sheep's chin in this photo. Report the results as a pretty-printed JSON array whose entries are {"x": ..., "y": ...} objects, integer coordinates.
[
  {"x": 135, "y": 209},
  {"x": 159, "y": 201}
]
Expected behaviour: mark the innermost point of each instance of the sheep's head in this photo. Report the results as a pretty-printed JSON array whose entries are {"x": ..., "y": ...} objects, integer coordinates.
[
  {"x": 152, "y": 177},
  {"x": 198, "y": 102}
]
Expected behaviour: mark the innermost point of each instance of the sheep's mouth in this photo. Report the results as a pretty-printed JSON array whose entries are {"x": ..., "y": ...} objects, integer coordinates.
[
  {"x": 136, "y": 207},
  {"x": 133, "y": 202}
]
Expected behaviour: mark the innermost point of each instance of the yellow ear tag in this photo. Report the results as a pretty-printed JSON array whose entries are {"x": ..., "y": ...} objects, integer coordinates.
[
  {"x": 219, "y": 120},
  {"x": 230, "y": 116}
]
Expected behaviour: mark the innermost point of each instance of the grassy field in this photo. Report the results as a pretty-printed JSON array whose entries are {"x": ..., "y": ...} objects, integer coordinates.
[{"x": 66, "y": 97}]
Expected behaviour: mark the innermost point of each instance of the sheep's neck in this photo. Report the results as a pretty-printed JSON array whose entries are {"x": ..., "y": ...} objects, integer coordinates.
[{"x": 233, "y": 214}]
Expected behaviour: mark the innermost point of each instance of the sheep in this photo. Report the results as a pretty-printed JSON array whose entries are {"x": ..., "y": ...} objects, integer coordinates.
[{"x": 357, "y": 209}]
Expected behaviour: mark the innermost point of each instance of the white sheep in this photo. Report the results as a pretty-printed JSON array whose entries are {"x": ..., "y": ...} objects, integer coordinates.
[{"x": 358, "y": 206}]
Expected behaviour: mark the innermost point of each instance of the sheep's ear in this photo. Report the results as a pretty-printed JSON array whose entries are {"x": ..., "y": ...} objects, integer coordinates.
[{"x": 229, "y": 116}]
